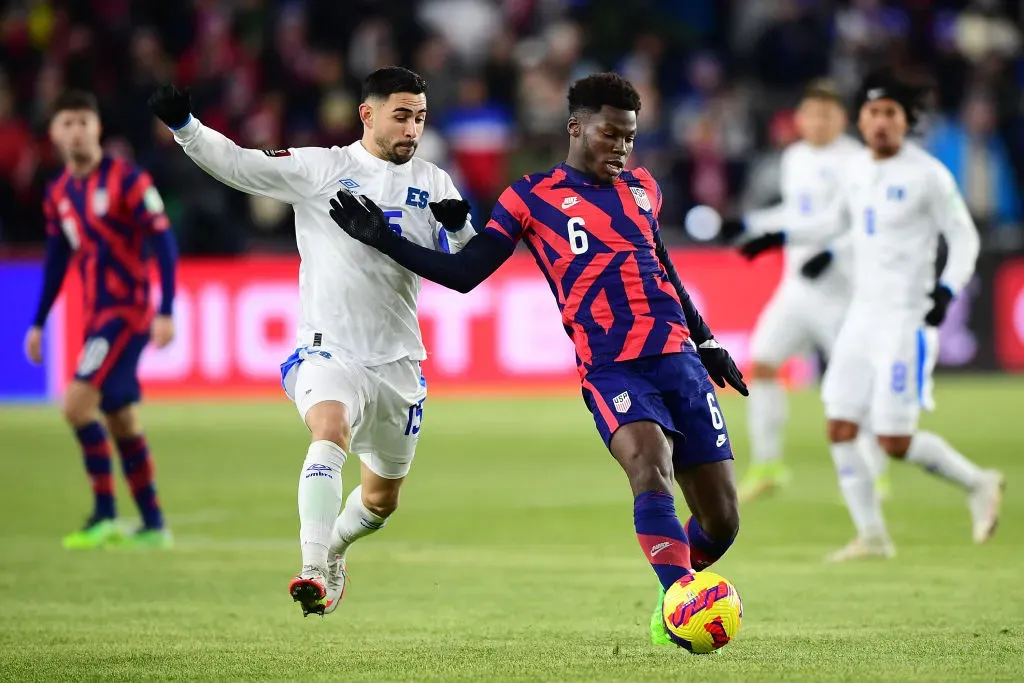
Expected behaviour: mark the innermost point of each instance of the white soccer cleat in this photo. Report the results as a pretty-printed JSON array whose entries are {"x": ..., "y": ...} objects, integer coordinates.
[
  {"x": 863, "y": 549},
  {"x": 309, "y": 589},
  {"x": 985, "y": 502},
  {"x": 337, "y": 577}
]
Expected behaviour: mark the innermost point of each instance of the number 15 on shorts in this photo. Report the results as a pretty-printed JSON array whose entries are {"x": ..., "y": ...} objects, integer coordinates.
[{"x": 412, "y": 426}]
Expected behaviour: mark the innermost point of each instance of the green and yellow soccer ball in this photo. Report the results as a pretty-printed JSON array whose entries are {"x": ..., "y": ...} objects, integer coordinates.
[{"x": 702, "y": 612}]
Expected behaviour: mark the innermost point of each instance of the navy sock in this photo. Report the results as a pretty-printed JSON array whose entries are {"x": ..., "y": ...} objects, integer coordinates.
[
  {"x": 96, "y": 453},
  {"x": 704, "y": 551},
  {"x": 138, "y": 470},
  {"x": 661, "y": 536}
]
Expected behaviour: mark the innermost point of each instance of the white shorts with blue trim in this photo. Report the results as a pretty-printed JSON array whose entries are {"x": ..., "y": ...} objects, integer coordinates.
[
  {"x": 880, "y": 372},
  {"x": 385, "y": 403}
]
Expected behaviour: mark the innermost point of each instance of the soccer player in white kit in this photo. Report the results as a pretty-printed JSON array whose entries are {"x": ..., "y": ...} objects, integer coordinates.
[
  {"x": 897, "y": 199},
  {"x": 808, "y": 306},
  {"x": 355, "y": 375}
]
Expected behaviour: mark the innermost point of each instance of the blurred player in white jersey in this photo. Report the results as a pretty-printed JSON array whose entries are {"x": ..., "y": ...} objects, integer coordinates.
[
  {"x": 355, "y": 375},
  {"x": 897, "y": 199},
  {"x": 808, "y": 306}
]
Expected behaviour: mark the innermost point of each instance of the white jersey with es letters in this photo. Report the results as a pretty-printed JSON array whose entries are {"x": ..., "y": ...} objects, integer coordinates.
[
  {"x": 804, "y": 314},
  {"x": 360, "y": 302},
  {"x": 884, "y": 356},
  {"x": 358, "y": 340}
]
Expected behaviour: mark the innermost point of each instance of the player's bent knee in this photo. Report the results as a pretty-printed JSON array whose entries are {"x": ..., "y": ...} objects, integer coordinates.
[
  {"x": 81, "y": 404},
  {"x": 328, "y": 421},
  {"x": 124, "y": 423},
  {"x": 763, "y": 371},
  {"x": 840, "y": 431},
  {"x": 895, "y": 446},
  {"x": 648, "y": 471}
]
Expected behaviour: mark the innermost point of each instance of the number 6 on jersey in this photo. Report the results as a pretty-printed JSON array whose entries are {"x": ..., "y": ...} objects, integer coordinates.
[{"x": 578, "y": 242}]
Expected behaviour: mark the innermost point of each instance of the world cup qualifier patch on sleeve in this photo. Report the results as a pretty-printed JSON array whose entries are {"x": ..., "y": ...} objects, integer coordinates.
[{"x": 277, "y": 153}]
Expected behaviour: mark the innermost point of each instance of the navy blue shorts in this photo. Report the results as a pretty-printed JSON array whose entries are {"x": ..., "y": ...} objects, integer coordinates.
[
  {"x": 673, "y": 390},
  {"x": 110, "y": 361}
]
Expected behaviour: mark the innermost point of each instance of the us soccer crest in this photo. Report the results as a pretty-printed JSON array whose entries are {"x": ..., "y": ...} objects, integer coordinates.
[
  {"x": 100, "y": 202},
  {"x": 621, "y": 402},
  {"x": 642, "y": 200}
]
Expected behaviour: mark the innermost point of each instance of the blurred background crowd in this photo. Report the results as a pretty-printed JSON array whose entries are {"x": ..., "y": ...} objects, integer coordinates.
[{"x": 718, "y": 80}]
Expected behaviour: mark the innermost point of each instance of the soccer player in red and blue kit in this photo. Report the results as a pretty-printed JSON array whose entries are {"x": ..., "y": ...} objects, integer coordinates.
[
  {"x": 107, "y": 214},
  {"x": 645, "y": 356}
]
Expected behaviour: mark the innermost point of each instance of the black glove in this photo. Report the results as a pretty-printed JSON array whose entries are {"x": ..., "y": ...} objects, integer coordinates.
[
  {"x": 730, "y": 230},
  {"x": 171, "y": 106},
  {"x": 720, "y": 366},
  {"x": 942, "y": 296},
  {"x": 816, "y": 265},
  {"x": 761, "y": 244},
  {"x": 450, "y": 213},
  {"x": 363, "y": 220}
]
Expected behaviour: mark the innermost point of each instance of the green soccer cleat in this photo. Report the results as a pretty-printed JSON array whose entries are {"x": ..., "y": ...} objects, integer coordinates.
[
  {"x": 659, "y": 634},
  {"x": 158, "y": 539},
  {"x": 761, "y": 478},
  {"x": 97, "y": 533}
]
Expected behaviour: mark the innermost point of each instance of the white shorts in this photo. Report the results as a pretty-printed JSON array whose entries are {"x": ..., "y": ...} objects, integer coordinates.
[
  {"x": 797, "y": 320},
  {"x": 385, "y": 403},
  {"x": 880, "y": 374}
]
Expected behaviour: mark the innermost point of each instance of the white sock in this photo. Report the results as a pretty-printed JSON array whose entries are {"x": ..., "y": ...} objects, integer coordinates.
[
  {"x": 857, "y": 482},
  {"x": 766, "y": 417},
  {"x": 873, "y": 453},
  {"x": 319, "y": 500},
  {"x": 933, "y": 454},
  {"x": 354, "y": 522}
]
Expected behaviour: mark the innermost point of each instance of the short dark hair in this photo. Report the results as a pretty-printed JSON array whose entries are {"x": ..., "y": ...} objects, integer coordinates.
[
  {"x": 75, "y": 100},
  {"x": 822, "y": 89},
  {"x": 597, "y": 90},
  {"x": 389, "y": 80}
]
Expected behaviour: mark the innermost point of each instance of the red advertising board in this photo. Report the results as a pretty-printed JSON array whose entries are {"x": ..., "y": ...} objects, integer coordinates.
[
  {"x": 235, "y": 321},
  {"x": 1008, "y": 301}
]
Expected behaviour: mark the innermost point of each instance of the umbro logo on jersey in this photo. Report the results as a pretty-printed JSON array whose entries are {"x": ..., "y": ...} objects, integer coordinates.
[
  {"x": 348, "y": 183},
  {"x": 570, "y": 201},
  {"x": 622, "y": 402}
]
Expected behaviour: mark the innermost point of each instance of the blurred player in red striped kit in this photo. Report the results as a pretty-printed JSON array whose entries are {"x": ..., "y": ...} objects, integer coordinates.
[{"x": 106, "y": 214}]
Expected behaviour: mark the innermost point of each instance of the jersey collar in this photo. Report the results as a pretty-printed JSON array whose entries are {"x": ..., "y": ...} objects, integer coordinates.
[
  {"x": 376, "y": 163},
  {"x": 576, "y": 176}
]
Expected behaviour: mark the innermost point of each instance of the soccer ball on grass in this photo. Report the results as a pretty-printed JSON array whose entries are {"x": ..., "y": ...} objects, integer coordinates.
[{"x": 702, "y": 612}]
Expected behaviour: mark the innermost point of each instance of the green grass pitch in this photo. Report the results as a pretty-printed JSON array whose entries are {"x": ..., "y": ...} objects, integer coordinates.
[{"x": 512, "y": 558}]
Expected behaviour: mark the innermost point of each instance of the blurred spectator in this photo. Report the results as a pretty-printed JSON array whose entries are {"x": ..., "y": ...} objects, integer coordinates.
[
  {"x": 764, "y": 187},
  {"x": 713, "y": 77},
  {"x": 978, "y": 159},
  {"x": 479, "y": 133}
]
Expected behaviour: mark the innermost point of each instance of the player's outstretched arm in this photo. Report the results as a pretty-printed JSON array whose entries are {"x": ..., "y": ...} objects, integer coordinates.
[
  {"x": 950, "y": 213},
  {"x": 462, "y": 271},
  {"x": 282, "y": 174},
  {"x": 717, "y": 361},
  {"x": 776, "y": 228}
]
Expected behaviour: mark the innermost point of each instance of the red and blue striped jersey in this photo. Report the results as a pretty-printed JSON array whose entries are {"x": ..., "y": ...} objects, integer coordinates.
[
  {"x": 106, "y": 218},
  {"x": 595, "y": 245}
]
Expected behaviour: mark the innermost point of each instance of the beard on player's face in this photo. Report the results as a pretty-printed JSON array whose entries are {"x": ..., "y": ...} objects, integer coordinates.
[{"x": 397, "y": 151}]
